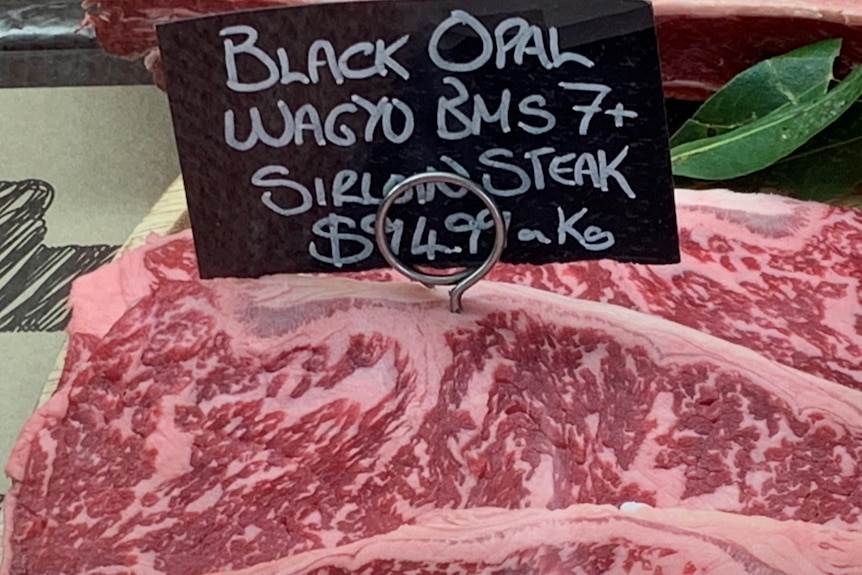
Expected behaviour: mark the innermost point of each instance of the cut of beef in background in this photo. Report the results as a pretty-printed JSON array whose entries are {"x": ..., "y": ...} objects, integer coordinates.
[
  {"x": 223, "y": 423},
  {"x": 776, "y": 275},
  {"x": 703, "y": 43},
  {"x": 587, "y": 539}
]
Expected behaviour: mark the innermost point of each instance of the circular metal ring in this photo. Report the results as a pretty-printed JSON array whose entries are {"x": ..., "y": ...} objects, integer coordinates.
[{"x": 462, "y": 279}]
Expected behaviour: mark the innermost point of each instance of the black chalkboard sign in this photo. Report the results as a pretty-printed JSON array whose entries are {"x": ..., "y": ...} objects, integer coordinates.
[{"x": 291, "y": 123}]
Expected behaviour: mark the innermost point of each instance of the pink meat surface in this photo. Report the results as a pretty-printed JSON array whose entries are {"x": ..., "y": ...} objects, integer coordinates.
[
  {"x": 779, "y": 276},
  {"x": 224, "y": 423},
  {"x": 587, "y": 539},
  {"x": 703, "y": 43},
  {"x": 776, "y": 275}
]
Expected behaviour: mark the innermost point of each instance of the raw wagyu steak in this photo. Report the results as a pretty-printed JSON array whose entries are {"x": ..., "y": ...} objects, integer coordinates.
[
  {"x": 704, "y": 43},
  {"x": 776, "y": 275},
  {"x": 587, "y": 539},
  {"x": 225, "y": 423}
]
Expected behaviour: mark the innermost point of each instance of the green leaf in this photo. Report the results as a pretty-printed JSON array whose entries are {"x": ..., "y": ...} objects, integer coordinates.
[
  {"x": 762, "y": 142},
  {"x": 800, "y": 76},
  {"x": 826, "y": 169}
]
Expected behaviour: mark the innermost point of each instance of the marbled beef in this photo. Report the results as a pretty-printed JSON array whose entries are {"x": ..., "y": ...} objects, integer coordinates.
[
  {"x": 776, "y": 275},
  {"x": 224, "y": 423},
  {"x": 587, "y": 539}
]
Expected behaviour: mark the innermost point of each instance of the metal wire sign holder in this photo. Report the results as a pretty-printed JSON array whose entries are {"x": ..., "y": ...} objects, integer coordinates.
[{"x": 461, "y": 280}]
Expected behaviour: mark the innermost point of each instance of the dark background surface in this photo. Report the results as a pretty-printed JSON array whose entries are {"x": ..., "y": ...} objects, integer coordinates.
[{"x": 43, "y": 44}]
